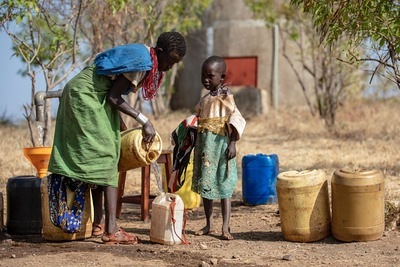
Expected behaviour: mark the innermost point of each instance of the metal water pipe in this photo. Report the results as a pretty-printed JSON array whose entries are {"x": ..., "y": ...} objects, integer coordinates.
[{"x": 40, "y": 99}]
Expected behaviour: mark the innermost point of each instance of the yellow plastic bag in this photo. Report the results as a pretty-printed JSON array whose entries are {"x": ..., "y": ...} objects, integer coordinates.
[{"x": 190, "y": 199}]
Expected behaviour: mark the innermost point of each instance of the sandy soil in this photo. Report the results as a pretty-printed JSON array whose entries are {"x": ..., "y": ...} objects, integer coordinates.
[{"x": 367, "y": 138}]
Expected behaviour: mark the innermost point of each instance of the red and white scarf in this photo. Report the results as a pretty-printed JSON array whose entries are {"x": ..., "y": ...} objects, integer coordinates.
[{"x": 154, "y": 78}]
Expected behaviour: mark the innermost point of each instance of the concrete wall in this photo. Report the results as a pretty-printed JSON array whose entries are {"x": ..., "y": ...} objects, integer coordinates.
[{"x": 229, "y": 30}]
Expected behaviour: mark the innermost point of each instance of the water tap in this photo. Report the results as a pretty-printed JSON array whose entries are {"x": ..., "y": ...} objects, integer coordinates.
[{"x": 39, "y": 101}]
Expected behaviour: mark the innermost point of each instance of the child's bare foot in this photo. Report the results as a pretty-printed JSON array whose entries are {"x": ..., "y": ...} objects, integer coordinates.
[
  {"x": 205, "y": 231},
  {"x": 226, "y": 235}
]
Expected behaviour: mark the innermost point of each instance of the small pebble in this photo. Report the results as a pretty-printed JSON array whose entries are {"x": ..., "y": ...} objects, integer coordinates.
[
  {"x": 7, "y": 241},
  {"x": 288, "y": 258},
  {"x": 203, "y": 246},
  {"x": 214, "y": 261}
]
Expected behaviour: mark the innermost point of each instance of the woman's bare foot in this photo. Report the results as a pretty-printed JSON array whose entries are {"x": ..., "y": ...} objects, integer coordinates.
[
  {"x": 205, "y": 231},
  {"x": 98, "y": 229}
]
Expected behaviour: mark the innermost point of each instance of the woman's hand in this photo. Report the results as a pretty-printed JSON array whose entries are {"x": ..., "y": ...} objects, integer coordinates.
[{"x": 148, "y": 132}]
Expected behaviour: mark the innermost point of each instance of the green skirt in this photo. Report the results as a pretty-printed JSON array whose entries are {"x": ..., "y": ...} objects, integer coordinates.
[
  {"x": 87, "y": 137},
  {"x": 214, "y": 177}
]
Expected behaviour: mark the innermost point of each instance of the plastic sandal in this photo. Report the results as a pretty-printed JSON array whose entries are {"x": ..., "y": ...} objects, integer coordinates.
[
  {"x": 98, "y": 229},
  {"x": 120, "y": 237}
]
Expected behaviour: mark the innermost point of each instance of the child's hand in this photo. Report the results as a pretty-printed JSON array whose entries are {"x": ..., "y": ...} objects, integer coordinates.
[{"x": 231, "y": 150}]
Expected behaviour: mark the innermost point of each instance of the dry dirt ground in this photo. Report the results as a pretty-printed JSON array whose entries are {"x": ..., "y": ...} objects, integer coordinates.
[
  {"x": 367, "y": 138},
  {"x": 258, "y": 242}
]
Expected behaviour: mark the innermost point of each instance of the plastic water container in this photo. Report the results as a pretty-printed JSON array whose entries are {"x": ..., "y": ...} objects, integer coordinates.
[
  {"x": 134, "y": 154},
  {"x": 23, "y": 205},
  {"x": 358, "y": 205},
  {"x": 167, "y": 219},
  {"x": 54, "y": 233},
  {"x": 259, "y": 173},
  {"x": 303, "y": 200}
]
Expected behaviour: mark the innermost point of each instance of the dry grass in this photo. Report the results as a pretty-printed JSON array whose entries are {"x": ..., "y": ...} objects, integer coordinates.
[{"x": 367, "y": 138}]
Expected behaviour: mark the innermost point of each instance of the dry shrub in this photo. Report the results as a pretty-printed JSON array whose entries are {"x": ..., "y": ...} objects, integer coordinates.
[{"x": 392, "y": 215}]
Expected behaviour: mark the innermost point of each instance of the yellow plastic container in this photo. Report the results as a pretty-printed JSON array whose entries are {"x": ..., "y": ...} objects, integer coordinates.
[
  {"x": 52, "y": 232},
  {"x": 134, "y": 154},
  {"x": 190, "y": 199},
  {"x": 358, "y": 205},
  {"x": 303, "y": 200}
]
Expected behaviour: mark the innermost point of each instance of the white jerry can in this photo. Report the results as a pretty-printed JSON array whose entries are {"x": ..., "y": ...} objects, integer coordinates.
[{"x": 167, "y": 219}]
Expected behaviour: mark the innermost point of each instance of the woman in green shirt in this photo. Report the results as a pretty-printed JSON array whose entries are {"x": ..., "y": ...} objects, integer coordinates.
[{"x": 87, "y": 135}]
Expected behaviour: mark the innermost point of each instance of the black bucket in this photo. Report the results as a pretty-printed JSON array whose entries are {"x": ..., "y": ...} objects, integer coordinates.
[{"x": 24, "y": 205}]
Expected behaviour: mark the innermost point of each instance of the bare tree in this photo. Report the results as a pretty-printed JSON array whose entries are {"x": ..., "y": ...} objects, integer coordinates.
[
  {"x": 323, "y": 79},
  {"x": 55, "y": 37},
  {"x": 317, "y": 66},
  {"x": 47, "y": 41}
]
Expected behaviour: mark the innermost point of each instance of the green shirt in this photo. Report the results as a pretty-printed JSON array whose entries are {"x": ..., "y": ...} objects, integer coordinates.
[{"x": 87, "y": 135}]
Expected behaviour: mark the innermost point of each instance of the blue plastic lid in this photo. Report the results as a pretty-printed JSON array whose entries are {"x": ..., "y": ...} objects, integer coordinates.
[{"x": 260, "y": 160}]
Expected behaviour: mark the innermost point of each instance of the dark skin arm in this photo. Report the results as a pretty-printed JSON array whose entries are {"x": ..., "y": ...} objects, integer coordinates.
[
  {"x": 122, "y": 125},
  {"x": 120, "y": 86},
  {"x": 231, "y": 150}
]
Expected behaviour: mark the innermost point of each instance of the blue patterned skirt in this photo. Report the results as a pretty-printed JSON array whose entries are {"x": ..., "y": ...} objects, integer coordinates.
[{"x": 68, "y": 219}]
